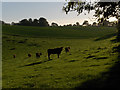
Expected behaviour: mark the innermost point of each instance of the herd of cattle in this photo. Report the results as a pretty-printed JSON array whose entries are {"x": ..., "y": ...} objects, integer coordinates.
[{"x": 50, "y": 51}]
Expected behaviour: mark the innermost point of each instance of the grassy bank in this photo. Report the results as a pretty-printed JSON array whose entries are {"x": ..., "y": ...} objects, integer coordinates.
[{"x": 90, "y": 56}]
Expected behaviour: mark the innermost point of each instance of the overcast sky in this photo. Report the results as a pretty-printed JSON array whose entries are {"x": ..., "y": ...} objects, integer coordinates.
[{"x": 52, "y": 11}]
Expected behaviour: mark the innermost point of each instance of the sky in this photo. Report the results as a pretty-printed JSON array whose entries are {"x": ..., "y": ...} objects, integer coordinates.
[
  {"x": 0, "y": 11},
  {"x": 52, "y": 11}
]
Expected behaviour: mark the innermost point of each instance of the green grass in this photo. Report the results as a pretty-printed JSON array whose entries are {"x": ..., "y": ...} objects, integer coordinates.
[
  {"x": 59, "y": 32},
  {"x": 87, "y": 59}
]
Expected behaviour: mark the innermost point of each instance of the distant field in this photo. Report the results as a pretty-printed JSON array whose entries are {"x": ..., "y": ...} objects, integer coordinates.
[
  {"x": 90, "y": 58},
  {"x": 62, "y": 32}
]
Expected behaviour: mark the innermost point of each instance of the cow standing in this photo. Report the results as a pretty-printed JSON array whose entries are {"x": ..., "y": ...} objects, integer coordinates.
[
  {"x": 29, "y": 55},
  {"x": 67, "y": 49},
  {"x": 14, "y": 56},
  {"x": 38, "y": 55},
  {"x": 54, "y": 51}
]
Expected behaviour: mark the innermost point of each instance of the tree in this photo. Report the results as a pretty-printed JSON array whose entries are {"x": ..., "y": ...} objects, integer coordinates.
[
  {"x": 69, "y": 25},
  {"x": 35, "y": 22},
  {"x": 30, "y": 21},
  {"x": 74, "y": 24},
  {"x": 103, "y": 10},
  {"x": 12, "y": 23},
  {"x": 77, "y": 24},
  {"x": 94, "y": 24},
  {"x": 24, "y": 22},
  {"x": 2, "y": 22},
  {"x": 43, "y": 22},
  {"x": 54, "y": 24},
  {"x": 85, "y": 23}
]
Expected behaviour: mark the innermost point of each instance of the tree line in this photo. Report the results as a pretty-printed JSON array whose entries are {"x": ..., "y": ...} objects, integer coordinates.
[
  {"x": 35, "y": 22},
  {"x": 42, "y": 22}
]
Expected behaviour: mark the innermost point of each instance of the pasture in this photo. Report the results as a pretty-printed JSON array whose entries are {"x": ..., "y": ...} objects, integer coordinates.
[{"x": 90, "y": 58}]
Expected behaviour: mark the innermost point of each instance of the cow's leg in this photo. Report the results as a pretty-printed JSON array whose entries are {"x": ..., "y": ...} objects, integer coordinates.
[
  {"x": 58, "y": 55},
  {"x": 48, "y": 56}
]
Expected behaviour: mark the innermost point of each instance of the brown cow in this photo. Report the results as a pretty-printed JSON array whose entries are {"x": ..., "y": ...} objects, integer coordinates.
[
  {"x": 54, "y": 51},
  {"x": 67, "y": 49}
]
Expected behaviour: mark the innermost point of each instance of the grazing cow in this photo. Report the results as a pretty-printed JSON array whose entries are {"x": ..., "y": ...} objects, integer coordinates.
[
  {"x": 29, "y": 55},
  {"x": 67, "y": 49},
  {"x": 38, "y": 55},
  {"x": 54, "y": 51},
  {"x": 14, "y": 56}
]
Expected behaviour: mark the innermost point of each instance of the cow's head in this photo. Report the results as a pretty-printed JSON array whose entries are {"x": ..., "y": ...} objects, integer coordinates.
[{"x": 61, "y": 48}]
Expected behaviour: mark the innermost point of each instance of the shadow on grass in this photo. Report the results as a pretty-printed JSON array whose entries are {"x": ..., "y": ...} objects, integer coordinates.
[
  {"x": 73, "y": 60},
  {"x": 105, "y": 37},
  {"x": 110, "y": 79},
  {"x": 114, "y": 41},
  {"x": 35, "y": 63}
]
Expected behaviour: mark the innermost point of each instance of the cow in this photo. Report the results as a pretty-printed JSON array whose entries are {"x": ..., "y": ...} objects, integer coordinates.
[
  {"x": 67, "y": 49},
  {"x": 38, "y": 55},
  {"x": 54, "y": 51},
  {"x": 29, "y": 55},
  {"x": 14, "y": 56}
]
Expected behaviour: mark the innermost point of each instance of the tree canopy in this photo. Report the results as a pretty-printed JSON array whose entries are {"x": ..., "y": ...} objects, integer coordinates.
[
  {"x": 35, "y": 22},
  {"x": 103, "y": 9}
]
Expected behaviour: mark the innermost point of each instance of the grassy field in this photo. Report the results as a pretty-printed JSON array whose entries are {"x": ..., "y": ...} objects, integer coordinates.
[
  {"x": 59, "y": 32},
  {"x": 90, "y": 58}
]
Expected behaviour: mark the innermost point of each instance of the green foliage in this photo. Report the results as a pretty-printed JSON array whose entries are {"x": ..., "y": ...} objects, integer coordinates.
[{"x": 102, "y": 8}]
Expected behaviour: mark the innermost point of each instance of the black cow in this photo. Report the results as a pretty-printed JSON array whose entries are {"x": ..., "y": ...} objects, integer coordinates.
[
  {"x": 67, "y": 49},
  {"x": 54, "y": 51},
  {"x": 14, "y": 56},
  {"x": 38, "y": 55},
  {"x": 29, "y": 55}
]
